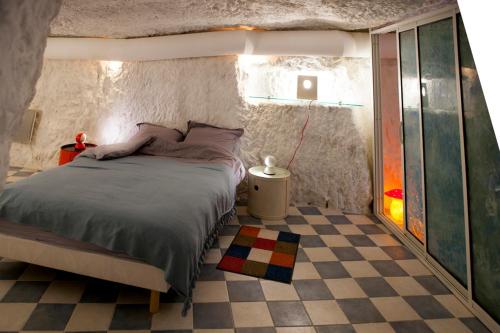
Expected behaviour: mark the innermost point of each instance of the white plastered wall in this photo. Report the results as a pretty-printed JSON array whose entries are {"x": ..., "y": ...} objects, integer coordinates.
[
  {"x": 24, "y": 26},
  {"x": 332, "y": 163}
]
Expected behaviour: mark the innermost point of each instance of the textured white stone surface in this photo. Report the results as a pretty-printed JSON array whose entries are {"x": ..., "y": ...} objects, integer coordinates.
[
  {"x": 332, "y": 163},
  {"x": 340, "y": 80},
  {"x": 107, "y": 102},
  {"x": 24, "y": 26},
  {"x": 127, "y": 18}
]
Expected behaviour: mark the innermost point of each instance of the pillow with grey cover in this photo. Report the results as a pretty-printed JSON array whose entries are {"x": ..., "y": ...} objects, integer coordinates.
[
  {"x": 107, "y": 152},
  {"x": 162, "y": 137},
  {"x": 205, "y": 134}
]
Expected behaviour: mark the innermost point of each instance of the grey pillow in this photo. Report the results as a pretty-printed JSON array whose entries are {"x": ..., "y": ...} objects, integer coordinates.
[
  {"x": 205, "y": 134},
  {"x": 162, "y": 137},
  {"x": 107, "y": 152}
]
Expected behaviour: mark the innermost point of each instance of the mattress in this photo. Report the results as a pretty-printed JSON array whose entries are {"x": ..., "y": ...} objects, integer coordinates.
[{"x": 39, "y": 235}]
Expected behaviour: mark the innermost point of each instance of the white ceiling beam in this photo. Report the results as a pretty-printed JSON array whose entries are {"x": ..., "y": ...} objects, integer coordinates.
[{"x": 206, "y": 44}]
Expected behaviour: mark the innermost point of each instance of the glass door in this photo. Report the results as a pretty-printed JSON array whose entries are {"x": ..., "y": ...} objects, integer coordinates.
[
  {"x": 483, "y": 182},
  {"x": 449, "y": 157},
  {"x": 444, "y": 198},
  {"x": 390, "y": 129},
  {"x": 410, "y": 97}
]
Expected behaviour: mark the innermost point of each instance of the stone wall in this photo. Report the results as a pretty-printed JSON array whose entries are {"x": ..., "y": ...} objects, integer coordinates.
[
  {"x": 106, "y": 99},
  {"x": 24, "y": 26}
]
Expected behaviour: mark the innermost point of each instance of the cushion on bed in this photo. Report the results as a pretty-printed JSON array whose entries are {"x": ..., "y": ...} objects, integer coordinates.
[
  {"x": 200, "y": 133},
  {"x": 107, "y": 152},
  {"x": 162, "y": 136}
]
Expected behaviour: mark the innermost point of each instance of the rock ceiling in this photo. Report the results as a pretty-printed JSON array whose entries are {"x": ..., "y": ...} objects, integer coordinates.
[{"x": 140, "y": 18}]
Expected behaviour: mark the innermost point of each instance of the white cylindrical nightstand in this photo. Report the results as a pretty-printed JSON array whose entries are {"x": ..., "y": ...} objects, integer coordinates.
[{"x": 268, "y": 195}]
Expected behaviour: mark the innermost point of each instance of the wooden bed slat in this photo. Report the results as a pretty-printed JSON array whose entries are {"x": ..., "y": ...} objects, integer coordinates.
[{"x": 154, "y": 301}]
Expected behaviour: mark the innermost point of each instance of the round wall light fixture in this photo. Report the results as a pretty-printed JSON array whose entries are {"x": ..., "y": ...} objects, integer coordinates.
[{"x": 307, "y": 87}]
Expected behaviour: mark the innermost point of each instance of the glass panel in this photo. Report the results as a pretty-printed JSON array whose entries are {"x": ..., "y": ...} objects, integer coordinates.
[
  {"x": 391, "y": 143},
  {"x": 410, "y": 91},
  {"x": 483, "y": 181},
  {"x": 442, "y": 155}
]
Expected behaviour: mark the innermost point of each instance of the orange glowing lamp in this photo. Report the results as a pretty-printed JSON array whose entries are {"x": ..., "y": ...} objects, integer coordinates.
[{"x": 396, "y": 207}]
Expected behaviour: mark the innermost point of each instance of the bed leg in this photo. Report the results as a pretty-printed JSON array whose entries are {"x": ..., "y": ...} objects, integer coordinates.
[{"x": 154, "y": 301}]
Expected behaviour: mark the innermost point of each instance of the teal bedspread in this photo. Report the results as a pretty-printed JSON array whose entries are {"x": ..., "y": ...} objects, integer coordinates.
[{"x": 162, "y": 211}]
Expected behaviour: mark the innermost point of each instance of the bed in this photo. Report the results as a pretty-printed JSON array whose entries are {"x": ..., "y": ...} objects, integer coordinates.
[{"x": 145, "y": 221}]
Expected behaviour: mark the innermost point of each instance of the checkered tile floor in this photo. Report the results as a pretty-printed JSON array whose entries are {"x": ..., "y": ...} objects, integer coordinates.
[
  {"x": 17, "y": 173},
  {"x": 351, "y": 275}
]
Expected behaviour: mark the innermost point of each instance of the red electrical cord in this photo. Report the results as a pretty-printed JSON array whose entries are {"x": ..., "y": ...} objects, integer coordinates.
[{"x": 301, "y": 135}]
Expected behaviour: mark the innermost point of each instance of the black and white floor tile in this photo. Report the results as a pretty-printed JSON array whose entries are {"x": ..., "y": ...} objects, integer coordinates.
[
  {"x": 351, "y": 275},
  {"x": 17, "y": 173}
]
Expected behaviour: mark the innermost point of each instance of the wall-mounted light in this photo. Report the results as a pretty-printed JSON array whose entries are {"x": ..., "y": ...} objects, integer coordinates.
[
  {"x": 112, "y": 68},
  {"x": 115, "y": 66},
  {"x": 307, "y": 87},
  {"x": 307, "y": 84},
  {"x": 248, "y": 60}
]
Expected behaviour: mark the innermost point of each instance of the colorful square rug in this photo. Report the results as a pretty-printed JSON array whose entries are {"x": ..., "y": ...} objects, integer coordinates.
[{"x": 262, "y": 253}]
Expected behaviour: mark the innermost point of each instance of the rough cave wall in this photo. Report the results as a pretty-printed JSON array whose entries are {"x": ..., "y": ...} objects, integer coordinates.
[
  {"x": 332, "y": 164},
  {"x": 106, "y": 103},
  {"x": 24, "y": 26},
  {"x": 334, "y": 161},
  {"x": 111, "y": 18}
]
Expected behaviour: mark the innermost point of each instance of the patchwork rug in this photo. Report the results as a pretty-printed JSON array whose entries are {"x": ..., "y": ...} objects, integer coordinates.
[{"x": 262, "y": 253}]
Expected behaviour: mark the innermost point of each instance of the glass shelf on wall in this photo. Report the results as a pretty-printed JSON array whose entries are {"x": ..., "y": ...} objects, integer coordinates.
[{"x": 294, "y": 100}]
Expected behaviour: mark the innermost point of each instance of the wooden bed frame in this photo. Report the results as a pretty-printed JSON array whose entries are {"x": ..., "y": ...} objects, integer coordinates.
[{"x": 102, "y": 266}]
